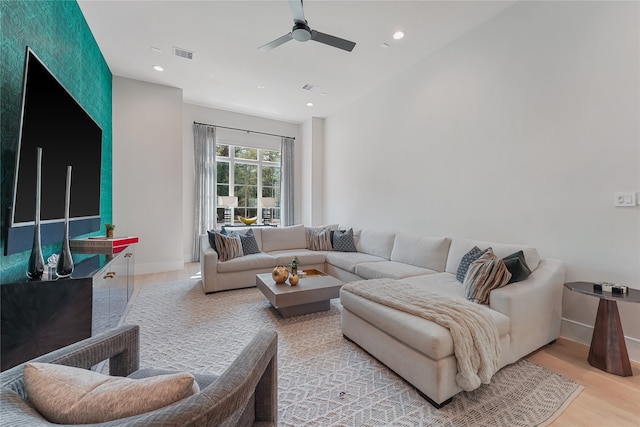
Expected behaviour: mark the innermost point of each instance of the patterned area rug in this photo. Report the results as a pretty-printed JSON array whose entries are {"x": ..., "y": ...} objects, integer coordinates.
[{"x": 325, "y": 380}]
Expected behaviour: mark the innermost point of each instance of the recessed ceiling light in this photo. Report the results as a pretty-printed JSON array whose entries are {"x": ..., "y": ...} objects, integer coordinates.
[
  {"x": 398, "y": 35},
  {"x": 309, "y": 104},
  {"x": 262, "y": 87},
  {"x": 158, "y": 68}
]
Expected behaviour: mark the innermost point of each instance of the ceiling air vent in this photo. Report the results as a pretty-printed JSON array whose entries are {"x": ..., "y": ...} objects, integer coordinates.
[
  {"x": 182, "y": 53},
  {"x": 309, "y": 87}
]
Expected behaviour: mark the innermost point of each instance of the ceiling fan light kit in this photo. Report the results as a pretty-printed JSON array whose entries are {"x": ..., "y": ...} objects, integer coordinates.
[{"x": 302, "y": 32}]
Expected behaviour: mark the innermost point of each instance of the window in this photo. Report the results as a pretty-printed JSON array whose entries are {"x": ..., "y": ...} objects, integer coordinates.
[{"x": 248, "y": 174}]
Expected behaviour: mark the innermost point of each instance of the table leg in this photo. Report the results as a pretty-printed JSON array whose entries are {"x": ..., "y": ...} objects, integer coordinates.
[{"x": 608, "y": 350}]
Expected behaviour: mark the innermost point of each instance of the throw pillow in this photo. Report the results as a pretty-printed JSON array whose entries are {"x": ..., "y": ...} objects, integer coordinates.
[
  {"x": 466, "y": 261},
  {"x": 517, "y": 266},
  {"x": 228, "y": 246},
  {"x": 212, "y": 239},
  {"x": 320, "y": 240},
  {"x": 249, "y": 243},
  {"x": 343, "y": 241},
  {"x": 68, "y": 395},
  {"x": 485, "y": 274}
]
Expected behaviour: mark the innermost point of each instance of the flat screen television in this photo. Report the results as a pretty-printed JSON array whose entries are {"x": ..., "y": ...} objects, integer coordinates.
[{"x": 52, "y": 119}]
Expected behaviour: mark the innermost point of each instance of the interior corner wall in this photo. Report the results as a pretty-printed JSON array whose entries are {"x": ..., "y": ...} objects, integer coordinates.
[
  {"x": 312, "y": 171},
  {"x": 520, "y": 131},
  {"x": 213, "y": 116},
  {"x": 147, "y": 172},
  {"x": 58, "y": 33}
]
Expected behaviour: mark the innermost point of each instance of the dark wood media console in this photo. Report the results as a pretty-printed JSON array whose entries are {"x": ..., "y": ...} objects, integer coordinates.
[{"x": 39, "y": 316}]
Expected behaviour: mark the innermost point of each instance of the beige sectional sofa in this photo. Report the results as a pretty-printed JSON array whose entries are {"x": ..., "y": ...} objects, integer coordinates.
[{"x": 527, "y": 313}]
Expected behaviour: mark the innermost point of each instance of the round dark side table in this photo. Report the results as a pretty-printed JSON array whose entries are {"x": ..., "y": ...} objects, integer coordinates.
[{"x": 608, "y": 350}]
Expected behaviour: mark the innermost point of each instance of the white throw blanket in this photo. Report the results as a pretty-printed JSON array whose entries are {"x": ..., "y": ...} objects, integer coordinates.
[{"x": 476, "y": 342}]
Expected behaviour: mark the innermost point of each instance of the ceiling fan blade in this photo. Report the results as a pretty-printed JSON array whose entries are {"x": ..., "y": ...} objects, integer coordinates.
[
  {"x": 332, "y": 41},
  {"x": 297, "y": 10},
  {"x": 277, "y": 42}
]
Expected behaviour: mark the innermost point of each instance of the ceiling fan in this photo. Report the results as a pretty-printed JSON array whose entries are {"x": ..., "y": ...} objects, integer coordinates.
[{"x": 302, "y": 33}]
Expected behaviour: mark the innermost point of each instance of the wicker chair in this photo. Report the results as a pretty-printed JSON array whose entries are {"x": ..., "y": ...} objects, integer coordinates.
[{"x": 245, "y": 394}]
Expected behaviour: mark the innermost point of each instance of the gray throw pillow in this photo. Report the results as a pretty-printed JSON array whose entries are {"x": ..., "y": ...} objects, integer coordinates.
[
  {"x": 517, "y": 266},
  {"x": 343, "y": 241},
  {"x": 466, "y": 261},
  {"x": 249, "y": 243},
  {"x": 228, "y": 246},
  {"x": 320, "y": 240}
]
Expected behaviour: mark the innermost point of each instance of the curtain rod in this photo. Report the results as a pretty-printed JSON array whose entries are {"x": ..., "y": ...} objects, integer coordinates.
[{"x": 244, "y": 130}]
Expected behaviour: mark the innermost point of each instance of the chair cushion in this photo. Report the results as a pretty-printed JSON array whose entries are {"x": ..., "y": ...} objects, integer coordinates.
[
  {"x": 348, "y": 260},
  {"x": 390, "y": 270},
  {"x": 68, "y": 395},
  {"x": 305, "y": 257},
  {"x": 248, "y": 262},
  {"x": 281, "y": 238}
]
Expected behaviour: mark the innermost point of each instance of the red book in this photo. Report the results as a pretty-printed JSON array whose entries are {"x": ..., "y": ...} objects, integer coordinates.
[{"x": 103, "y": 242}]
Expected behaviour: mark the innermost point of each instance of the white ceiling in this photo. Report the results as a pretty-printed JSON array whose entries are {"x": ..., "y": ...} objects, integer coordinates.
[{"x": 227, "y": 67}]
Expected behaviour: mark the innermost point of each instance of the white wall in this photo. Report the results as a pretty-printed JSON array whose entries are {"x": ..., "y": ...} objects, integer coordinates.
[
  {"x": 311, "y": 181},
  {"x": 194, "y": 113},
  {"x": 147, "y": 171},
  {"x": 520, "y": 131}
]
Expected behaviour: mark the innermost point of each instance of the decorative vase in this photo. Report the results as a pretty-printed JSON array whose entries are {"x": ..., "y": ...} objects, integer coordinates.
[
  {"x": 293, "y": 279},
  {"x": 280, "y": 274},
  {"x": 36, "y": 260},
  {"x": 65, "y": 261}
]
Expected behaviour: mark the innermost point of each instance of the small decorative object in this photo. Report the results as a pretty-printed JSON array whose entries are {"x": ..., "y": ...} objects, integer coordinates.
[
  {"x": 227, "y": 202},
  {"x": 65, "y": 261},
  {"x": 247, "y": 221},
  {"x": 293, "y": 279},
  {"x": 280, "y": 274},
  {"x": 36, "y": 260},
  {"x": 294, "y": 265},
  {"x": 110, "y": 228},
  {"x": 52, "y": 263}
]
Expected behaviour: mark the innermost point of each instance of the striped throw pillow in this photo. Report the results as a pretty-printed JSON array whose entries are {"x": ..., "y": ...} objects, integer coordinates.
[
  {"x": 484, "y": 275},
  {"x": 228, "y": 246},
  {"x": 320, "y": 240}
]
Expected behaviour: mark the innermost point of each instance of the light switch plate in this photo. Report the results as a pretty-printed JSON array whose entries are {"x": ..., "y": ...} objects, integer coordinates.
[{"x": 625, "y": 198}]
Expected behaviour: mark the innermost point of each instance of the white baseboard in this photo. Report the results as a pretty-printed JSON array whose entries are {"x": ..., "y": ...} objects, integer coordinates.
[
  {"x": 582, "y": 333},
  {"x": 158, "y": 267}
]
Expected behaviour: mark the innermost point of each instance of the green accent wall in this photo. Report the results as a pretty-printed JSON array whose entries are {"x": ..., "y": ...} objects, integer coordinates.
[{"x": 58, "y": 33}]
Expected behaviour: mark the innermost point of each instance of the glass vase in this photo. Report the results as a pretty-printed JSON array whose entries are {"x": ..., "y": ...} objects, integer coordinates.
[
  {"x": 65, "y": 261},
  {"x": 36, "y": 260}
]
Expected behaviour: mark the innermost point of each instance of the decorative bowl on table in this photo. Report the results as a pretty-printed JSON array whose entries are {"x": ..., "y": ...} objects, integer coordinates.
[{"x": 247, "y": 221}]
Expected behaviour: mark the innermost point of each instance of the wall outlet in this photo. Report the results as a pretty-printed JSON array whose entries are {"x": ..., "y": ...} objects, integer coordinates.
[{"x": 625, "y": 198}]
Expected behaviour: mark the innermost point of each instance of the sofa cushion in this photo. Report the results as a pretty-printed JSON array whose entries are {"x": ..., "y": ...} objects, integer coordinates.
[
  {"x": 427, "y": 337},
  {"x": 378, "y": 243},
  {"x": 466, "y": 261},
  {"x": 343, "y": 241},
  {"x": 320, "y": 240},
  {"x": 517, "y": 266},
  {"x": 426, "y": 252},
  {"x": 485, "y": 274},
  {"x": 348, "y": 260},
  {"x": 248, "y": 262},
  {"x": 305, "y": 257},
  {"x": 281, "y": 238},
  {"x": 69, "y": 395},
  {"x": 228, "y": 246},
  {"x": 389, "y": 269},
  {"x": 460, "y": 246}
]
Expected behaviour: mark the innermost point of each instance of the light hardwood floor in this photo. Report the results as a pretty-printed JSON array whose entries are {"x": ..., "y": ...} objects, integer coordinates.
[{"x": 607, "y": 400}]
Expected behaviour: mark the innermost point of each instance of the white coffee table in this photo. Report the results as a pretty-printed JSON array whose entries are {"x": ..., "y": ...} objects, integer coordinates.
[{"x": 312, "y": 293}]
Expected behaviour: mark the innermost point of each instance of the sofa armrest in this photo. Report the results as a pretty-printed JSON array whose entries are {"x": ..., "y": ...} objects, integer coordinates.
[
  {"x": 208, "y": 264},
  {"x": 534, "y": 307}
]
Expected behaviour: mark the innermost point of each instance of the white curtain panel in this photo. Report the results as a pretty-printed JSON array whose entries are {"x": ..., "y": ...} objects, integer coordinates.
[
  {"x": 286, "y": 182},
  {"x": 204, "y": 144}
]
